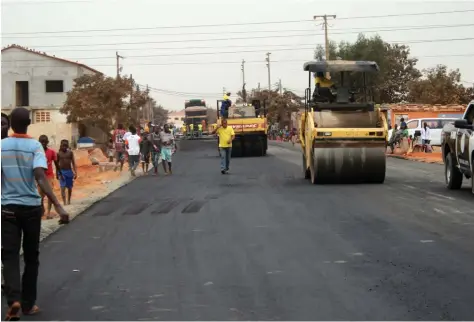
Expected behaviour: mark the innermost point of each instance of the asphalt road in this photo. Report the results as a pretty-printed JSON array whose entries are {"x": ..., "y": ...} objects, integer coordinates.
[{"x": 261, "y": 243}]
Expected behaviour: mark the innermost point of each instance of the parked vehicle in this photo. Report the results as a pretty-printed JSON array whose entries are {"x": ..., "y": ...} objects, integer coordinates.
[
  {"x": 458, "y": 149},
  {"x": 435, "y": 124}
]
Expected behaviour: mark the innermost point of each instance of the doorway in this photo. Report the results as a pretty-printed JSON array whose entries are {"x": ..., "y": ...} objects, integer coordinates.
[{"x": 22, "y": 93}]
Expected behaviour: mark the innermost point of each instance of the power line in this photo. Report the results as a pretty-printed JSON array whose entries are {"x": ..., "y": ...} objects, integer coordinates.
[
  {"x": 347, "y": 30},
  {"x": 292, "y": 48},
  {"x": 229, "y": 62},
  {"x": 235, "y": 24},
  {"x": 192, "y": 40}
]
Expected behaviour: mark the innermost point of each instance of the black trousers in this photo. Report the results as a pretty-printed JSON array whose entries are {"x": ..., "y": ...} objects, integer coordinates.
[{"x": 18, "y": 221}]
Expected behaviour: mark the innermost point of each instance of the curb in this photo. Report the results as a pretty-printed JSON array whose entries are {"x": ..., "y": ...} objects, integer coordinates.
[{"x": 401, "y": 157}]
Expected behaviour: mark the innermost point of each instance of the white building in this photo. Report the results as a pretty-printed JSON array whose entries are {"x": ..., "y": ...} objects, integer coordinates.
[
  {"x": 39, "y": 82},
  {"x": 176, "y": 118}
]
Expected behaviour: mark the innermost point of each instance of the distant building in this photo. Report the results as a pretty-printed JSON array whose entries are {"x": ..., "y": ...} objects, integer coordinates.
[
  {"x": 40, "y": 82},
  {"x": 176, "y": 118}
]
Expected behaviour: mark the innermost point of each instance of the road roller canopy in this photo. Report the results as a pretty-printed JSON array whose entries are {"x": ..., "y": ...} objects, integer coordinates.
[
  {"x": 242, "y": 111},
  {"x": 337, "y": 66}
]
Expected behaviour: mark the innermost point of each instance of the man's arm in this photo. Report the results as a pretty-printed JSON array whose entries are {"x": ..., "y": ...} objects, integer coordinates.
[
  {"x": 216, "y": 129},
  {"x": 73, "y": 161},
  {"x": 56, "y": 164}
]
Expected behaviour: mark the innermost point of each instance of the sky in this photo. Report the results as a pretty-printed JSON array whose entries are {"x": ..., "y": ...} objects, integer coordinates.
[{"x": 185, "y": 49}]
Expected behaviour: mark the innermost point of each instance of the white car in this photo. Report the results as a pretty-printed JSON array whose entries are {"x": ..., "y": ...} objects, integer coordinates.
[{"x": 435, "y": 124}]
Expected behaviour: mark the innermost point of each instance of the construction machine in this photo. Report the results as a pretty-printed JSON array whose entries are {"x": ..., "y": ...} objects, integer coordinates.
[
  {"x": 343, "y": 135},
  {"x": 250, "y": 126}
]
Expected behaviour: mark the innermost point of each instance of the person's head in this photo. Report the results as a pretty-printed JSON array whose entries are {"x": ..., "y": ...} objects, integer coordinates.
[
  {"x": 43, "y": 139},
  {"x": 224, "y": 123},
  {"x": 132, "y": 129},
  {"x": 228, "y": 94},
  {"x": 20, "y": 120},
  {"x": 5, "y": 125},
  {"x": 120, "y": 126},
  {"x": 320, "y": 74},
  {"x": 425, "y": 125},
  {"x": 157, "y": 129},
  {"x": 64, "y": 145},
  {"x": 111, "y": 141},
  {"x": 396, "y": 127},
  {"x": 402, "y": 120},
  {"x": 166, "y": 127}
]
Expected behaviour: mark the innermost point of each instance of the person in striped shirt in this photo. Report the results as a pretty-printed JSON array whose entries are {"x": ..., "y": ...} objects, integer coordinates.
[{"x": 23, "y": 163}]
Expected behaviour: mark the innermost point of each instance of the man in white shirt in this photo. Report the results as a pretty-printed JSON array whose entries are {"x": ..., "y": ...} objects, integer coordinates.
[{"x": 132, "y": 144}]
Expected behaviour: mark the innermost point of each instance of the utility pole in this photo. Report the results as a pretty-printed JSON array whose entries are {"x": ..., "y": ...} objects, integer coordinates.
[
  {"x": 117, "y": 57},
  {"x": 242, "y": 67},
  {"x": 279, "y": 86},
  {"x": 268, "y": 67},
  {"x": 326, "y": 38},
  {"x": 259, "y": 86}
]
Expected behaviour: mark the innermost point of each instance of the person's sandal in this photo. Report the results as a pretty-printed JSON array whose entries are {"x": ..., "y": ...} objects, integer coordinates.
[
  {"x": 32, "y": 311},
  {"x": 13, "y": 313}
]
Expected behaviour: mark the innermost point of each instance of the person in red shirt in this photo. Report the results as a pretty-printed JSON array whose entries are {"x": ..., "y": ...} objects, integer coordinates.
[
  {"x": 119, "y": 145},
  {"x": 51, "y": 157}
]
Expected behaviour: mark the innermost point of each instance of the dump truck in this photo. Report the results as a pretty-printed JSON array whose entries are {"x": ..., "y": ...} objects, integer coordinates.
[
  {"x": 250, "y": 126},
  {"x": 343, "y": 135}
]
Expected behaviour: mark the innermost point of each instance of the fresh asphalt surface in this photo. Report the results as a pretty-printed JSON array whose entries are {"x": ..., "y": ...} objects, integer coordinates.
[{"x": 261, "y": 243}]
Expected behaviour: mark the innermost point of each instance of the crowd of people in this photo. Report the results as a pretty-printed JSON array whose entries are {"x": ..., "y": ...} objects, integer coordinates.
[
  {"x": 156, "y": 144},
  {"x": 419, "y": 142}
]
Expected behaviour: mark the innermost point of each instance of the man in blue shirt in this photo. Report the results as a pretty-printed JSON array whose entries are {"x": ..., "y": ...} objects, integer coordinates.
[{"x": 23, "y": 162}]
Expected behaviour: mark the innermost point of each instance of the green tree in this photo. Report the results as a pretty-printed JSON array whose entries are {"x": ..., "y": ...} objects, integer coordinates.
[
  {"x": 439, "y": 86},
  {"x": 103, "y": 101},
  {"x": 397, "y": 69}
]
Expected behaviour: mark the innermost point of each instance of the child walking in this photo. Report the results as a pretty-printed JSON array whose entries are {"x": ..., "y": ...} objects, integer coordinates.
[
  {"x": 67, "y": 167},
  {"x": 145, "y": 150}
]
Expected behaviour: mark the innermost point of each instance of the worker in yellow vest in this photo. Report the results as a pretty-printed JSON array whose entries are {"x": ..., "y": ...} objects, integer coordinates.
[
  {"x": 200, "y": 129},
  {"x": 191, "y": 130}
]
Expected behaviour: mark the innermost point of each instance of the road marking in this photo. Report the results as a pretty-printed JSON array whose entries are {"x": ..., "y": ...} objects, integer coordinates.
[
  {"x": 208, "y": 283},
  {"x": 426, "y": 241},
  {"x": 440, "y": 196},
  {"x": 340, "y": 262},
  {"x": 357, "y": 254},
  {"x": 411, "y": 187},
  {"x": 439, "y": 211},
  {"x": 94, "y": 308},
  {"x": 274, "y": 272}
]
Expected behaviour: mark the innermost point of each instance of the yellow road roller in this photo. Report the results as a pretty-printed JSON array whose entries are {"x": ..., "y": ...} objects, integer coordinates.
[{"x": 343, "y": 135}]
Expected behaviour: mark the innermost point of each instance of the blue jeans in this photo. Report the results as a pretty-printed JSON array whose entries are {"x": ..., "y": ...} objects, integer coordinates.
[{"x": 225, "y": 157}]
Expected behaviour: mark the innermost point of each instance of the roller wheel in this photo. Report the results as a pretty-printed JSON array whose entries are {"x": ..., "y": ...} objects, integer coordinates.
[
  {"x": 237, "y": 150},
  {"x": 306, "y": 171},
  {"x": 452, "y": 174}
]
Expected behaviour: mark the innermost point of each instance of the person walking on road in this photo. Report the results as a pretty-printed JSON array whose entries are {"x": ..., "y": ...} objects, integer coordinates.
[
  {"x": 51, "y": 157},
  {"x": 145, "y": 150},
  {"x": 23, "y": 162},
  {"x": 132, "y": 144},
  {"x": 119, "y": 146},
  {"x": 226, "y": 135},
  {"x": 426, "y": 137},
  {"x": 155, "y": 140},
  {"x": 67, "y": 167},
  {"x": 167, "y": 145}
]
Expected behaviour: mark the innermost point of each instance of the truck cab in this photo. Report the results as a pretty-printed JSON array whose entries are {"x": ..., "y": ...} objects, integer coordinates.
[{"x": 457, "y": 143}]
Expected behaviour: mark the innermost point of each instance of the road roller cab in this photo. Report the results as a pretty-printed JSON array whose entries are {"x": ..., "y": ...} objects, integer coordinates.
[
  {"x": 343, "y": 135},
  {"x": 250, "y": 126}
]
